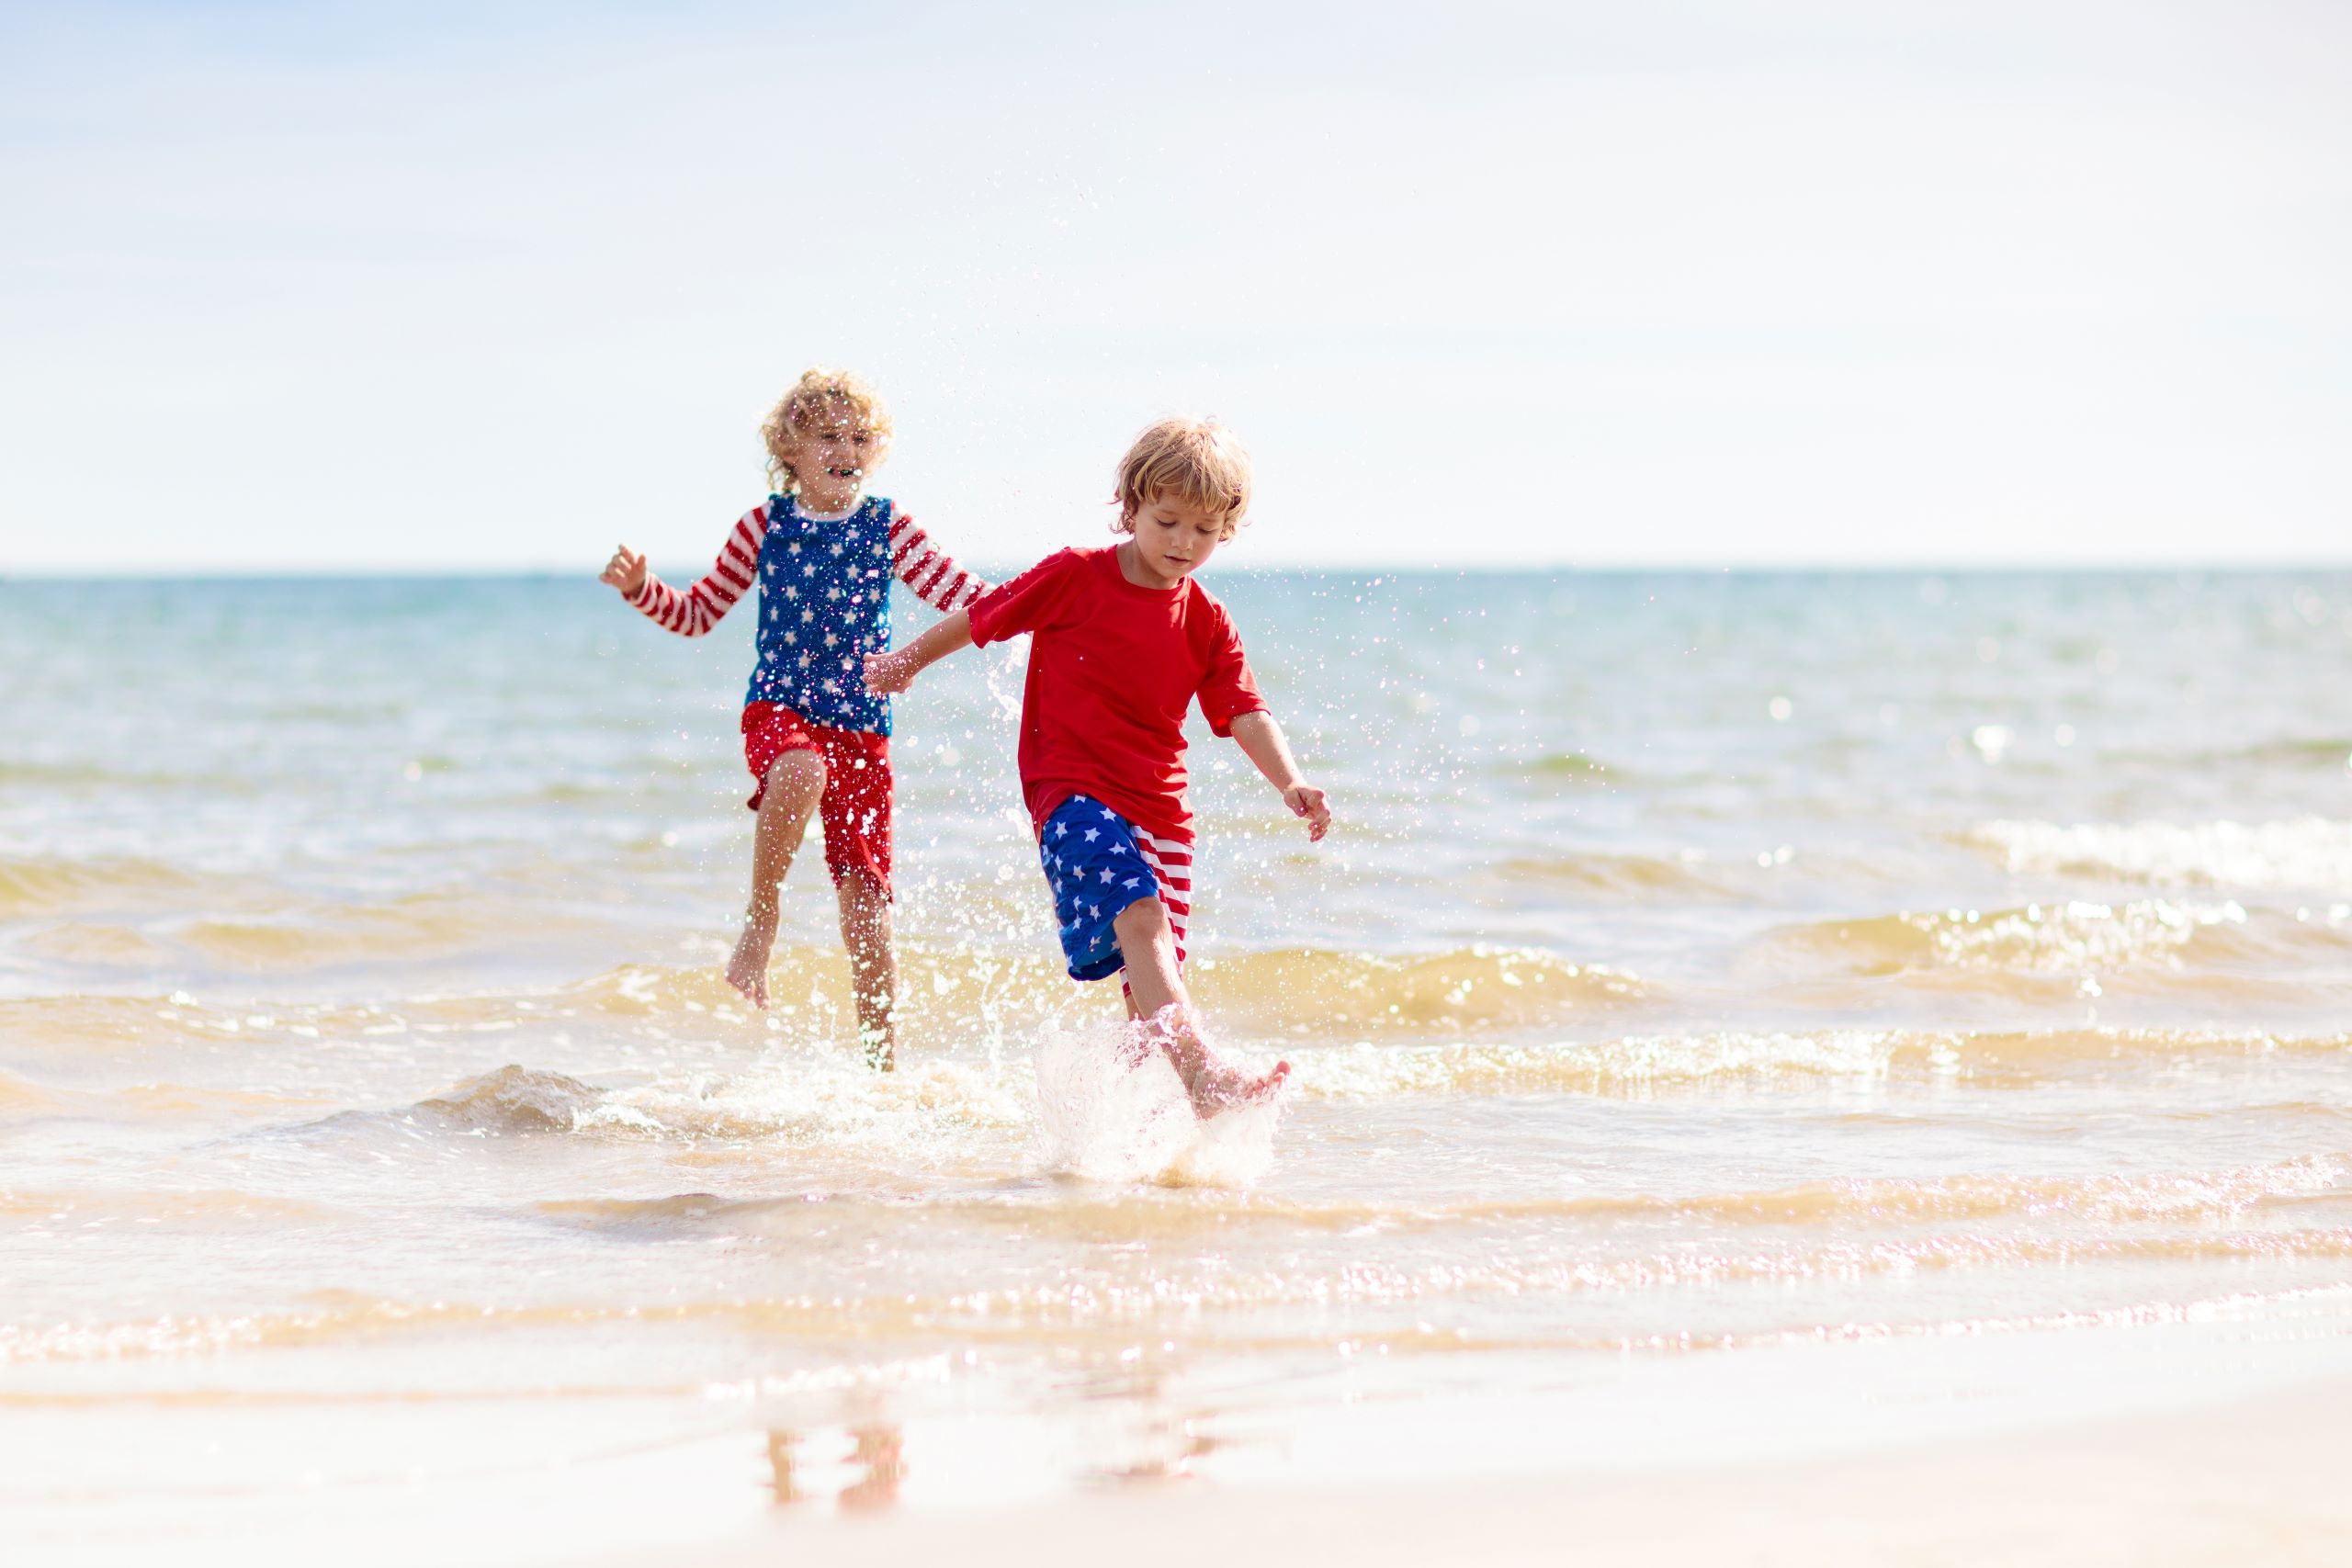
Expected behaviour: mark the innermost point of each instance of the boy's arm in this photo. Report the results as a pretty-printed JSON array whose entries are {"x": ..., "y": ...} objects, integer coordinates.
[
  {"x": 896, "y": 670},
  {"x": 699, "y": 608},
  {"x": 1262, "y": 739},
  {"x": 1009, "y": 608},
  {"x": 924, "y": 567}
]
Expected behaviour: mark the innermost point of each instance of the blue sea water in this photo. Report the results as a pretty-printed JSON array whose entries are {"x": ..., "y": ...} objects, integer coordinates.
[{"x": 1702, "y": 960}]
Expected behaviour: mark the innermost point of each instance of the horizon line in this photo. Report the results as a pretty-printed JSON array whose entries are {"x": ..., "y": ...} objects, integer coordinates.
[{"x": 360, "y": 572}]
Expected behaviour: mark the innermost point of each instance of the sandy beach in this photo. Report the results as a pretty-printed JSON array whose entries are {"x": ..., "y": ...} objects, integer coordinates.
[{"x": 2258, "y": 1481}]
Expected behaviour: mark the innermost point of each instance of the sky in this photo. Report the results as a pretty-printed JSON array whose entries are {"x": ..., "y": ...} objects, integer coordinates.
[{"x": 486, "y": 286}]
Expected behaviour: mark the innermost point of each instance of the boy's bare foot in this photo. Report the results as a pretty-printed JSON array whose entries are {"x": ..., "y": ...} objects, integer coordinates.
[
  {"x": 1221, "y": 1087},
  {"x": 747, "y": 970},
  {"x": 1212, "y": 1084}
]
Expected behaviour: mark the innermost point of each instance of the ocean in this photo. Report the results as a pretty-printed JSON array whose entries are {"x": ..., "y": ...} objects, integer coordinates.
[{"x": 1735, "y": 1015}]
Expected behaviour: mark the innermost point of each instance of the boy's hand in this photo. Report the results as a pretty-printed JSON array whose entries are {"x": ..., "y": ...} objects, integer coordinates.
[
  {"x": 626, "y": 572},
  {"x": 888, "y": 673},
  {"x": 1308, "y": 802}
]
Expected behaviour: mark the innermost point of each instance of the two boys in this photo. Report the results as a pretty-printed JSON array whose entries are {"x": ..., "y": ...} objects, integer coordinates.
[{"x": 1123, "y": 642}]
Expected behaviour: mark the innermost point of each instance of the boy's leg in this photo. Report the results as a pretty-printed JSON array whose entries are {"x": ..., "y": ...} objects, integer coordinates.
[
  {"x": 1148, "y": 943},
  {"x": 857, "y": 812},
  {"x": 795, "y": 782},
  {"x": 873, "y": 966}
]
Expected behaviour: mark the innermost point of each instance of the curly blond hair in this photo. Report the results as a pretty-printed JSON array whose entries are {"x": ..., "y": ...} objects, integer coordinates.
[
  {"x": 1197, "y": 462},
  {"x": 822, "y": 390}
]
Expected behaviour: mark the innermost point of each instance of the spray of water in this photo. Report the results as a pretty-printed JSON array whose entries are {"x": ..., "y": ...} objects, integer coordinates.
[{"x": 1110, "y": 1109}]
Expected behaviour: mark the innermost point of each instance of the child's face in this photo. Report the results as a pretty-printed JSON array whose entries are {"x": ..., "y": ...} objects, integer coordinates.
[
  {"x": 830, "y": 458},
  {"x": 1174, "y": 538}
]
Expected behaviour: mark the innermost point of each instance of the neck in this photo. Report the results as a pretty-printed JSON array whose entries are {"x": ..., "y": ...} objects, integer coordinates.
[
  {"x": 821, "y": 500},
  {"x": 1131, "y": 568}
]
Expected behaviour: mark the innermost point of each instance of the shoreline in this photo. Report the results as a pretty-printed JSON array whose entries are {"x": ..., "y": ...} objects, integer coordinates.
[{"x": 2245, "y": 1480}]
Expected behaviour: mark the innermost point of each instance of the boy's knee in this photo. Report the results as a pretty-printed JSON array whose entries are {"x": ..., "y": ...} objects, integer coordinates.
[
  {"x": 1144, "y": 920},
  {"x": 799, "y": 769},
  {"x": 863, "y": 892}
]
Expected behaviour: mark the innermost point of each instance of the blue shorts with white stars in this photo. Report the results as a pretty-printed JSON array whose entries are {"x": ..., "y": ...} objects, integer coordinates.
[{"x": 1096, "y": 870}]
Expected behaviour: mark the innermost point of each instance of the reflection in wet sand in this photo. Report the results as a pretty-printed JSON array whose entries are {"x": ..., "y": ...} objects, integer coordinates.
[
  {"x": 1167, "y": 1437},
  {"x": 877, "y": 1453},
  {"x": 882, "y": 1450},
  {"x": 1171, "y": 1446},
  {"x": 782, "y": 1482}
]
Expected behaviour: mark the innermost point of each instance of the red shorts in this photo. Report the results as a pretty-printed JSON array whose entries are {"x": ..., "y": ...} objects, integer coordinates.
[{"x": 856, "y": 807}]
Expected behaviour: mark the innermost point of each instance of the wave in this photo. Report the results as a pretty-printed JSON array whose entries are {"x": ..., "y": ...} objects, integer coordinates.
[
  {"x": 1616, "y": 874},
  {"x": 37, "y": 884},
  {"x": 18, "y": 1097},
  {"x": 87, "y": 776},
  {"x": 205, "y": 1209},
  {"x": 1085, "y": 1108},
  {"x": 944, "y": 1108},
  {"x": 2306, "y": 854},
  {"x": 421, "y": 926},
  {"x": 95, "y": 945},
  {"x": 80, "y": 1022},
  {"x": 1101, "y": 1216},
  {"x": 947, "y": 996},
  {"x": 2105, "y": 1200},
  {"x": 1476, "y": 988},
  {"x": 514, "y": 1100},
  {"x": 834, "y": 1102},
  {"x": 2334, "y": 751},
  {"x": 1571, "y": 767},
  {"x": 1645, "y": 1064},
  {"x": 2072, "y": 938},
  {"x": 1213, "y": 1299}
]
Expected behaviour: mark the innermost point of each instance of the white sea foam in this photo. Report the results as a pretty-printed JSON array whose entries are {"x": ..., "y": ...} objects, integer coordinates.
[
  {"x": 2077, "y": 936},
  {"x": 930, "y": 1107},
  {"x": 2302, "y": 852}
]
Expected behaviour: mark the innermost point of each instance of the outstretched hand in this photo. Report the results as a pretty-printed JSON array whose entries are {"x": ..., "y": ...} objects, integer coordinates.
[
  {"x": 890, "y": 672},
  {"x": 1306, "y": 801},
  {"x": 624, "y": 571}
]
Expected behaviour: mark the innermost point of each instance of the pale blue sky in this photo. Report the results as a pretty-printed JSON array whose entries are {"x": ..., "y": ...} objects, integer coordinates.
[{"x": 418, "y": 286}]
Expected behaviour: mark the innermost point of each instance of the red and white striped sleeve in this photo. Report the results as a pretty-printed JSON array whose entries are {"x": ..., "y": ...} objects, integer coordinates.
[
  {"x": 701, "y": 607},
  {"x": 936, "y": 581}
]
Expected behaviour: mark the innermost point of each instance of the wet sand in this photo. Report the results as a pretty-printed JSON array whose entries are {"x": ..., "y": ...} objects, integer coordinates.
[{"x": 2253, "y": 1482}]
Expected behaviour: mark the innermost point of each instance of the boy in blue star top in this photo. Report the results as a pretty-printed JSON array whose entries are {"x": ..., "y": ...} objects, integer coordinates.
[{"x": 814, "y": 737}]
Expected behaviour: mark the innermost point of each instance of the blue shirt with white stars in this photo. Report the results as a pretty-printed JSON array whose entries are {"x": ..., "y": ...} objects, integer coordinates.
[{"x": 824, "y": 605}]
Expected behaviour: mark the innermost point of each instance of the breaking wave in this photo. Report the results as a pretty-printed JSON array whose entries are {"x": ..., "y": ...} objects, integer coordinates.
[
  {"x": 943, "y": 995},
  {"x": 835, "y": 1104},
  {"x": 2305, "y": 853},
  {"x": 1081, "y": 1105},
  {"x": 2037, "y": 939}
]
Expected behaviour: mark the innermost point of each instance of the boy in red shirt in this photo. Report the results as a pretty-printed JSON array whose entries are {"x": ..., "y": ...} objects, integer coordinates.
[{"x": 1123, "y": 642}]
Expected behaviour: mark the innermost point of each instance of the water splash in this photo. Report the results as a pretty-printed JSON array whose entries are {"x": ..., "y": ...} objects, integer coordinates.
[{"x": 1110, "y": 1110}]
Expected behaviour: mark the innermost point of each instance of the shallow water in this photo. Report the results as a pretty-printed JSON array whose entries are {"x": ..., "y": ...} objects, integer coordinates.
[{"x": 1707, "y": 966}]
